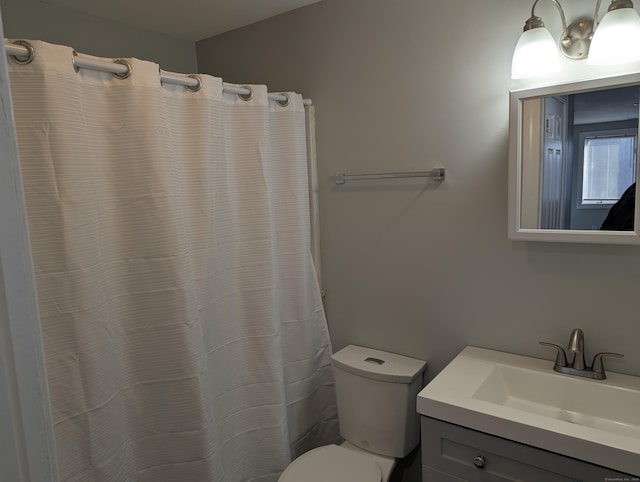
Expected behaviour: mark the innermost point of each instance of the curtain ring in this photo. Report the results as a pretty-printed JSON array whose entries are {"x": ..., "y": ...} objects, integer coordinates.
[
  {"x": 127, "y": 65},
  {"x": 74, "y": 56},
  {"x": 284, "y": 103},
  {"x": 197, "y": 87},
  {"x": 248, "y": 96},
  {"x": 30, "y": 55}
]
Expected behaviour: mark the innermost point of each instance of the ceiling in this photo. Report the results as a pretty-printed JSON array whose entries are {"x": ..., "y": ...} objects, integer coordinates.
[
  {"x": 607, "y": 105},
  {"x": 186, "y": 19}
]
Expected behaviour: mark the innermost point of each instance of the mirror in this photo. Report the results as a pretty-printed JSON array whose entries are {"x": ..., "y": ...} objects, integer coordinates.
[{"x": 573, "y": 162}]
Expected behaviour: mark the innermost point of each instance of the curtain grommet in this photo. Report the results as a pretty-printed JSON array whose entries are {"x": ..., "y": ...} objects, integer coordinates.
[
  {"x": 126, "y": 74},
  {"x": 284, "y": 103},
  {"x": 197, "y": 87},
  {"x": 30, "y": 56},
  {"x": 74, "y": 56},
  {"x": 246, "y": 97}
]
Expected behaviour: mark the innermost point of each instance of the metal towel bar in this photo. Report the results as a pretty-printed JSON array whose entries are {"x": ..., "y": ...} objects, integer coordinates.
[{"x": 436, "y": 174}]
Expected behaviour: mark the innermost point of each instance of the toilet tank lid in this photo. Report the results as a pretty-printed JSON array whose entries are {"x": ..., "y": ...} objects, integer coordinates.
[{"x": 378, "y": 365}]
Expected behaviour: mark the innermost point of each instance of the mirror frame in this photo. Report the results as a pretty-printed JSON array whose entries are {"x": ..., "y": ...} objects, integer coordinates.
[{"x": 516, "y": 232}]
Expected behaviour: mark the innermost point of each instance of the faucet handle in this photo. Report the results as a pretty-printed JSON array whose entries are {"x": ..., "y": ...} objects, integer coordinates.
[
  {"x": 598, "y": 366},
  {"x": 561, "y": 356}
]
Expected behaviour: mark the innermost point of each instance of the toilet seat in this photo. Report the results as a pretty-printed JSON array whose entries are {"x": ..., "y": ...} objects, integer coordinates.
[{"x": 334, "y": 463}]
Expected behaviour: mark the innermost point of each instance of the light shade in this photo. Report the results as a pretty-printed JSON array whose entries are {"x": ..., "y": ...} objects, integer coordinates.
[
  {"x": 616, "y": 39},
  {"x": 536, "y": 54}
]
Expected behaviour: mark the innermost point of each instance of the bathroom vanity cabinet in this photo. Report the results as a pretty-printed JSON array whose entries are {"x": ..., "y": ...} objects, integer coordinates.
[{"x": 451, "y": 453}]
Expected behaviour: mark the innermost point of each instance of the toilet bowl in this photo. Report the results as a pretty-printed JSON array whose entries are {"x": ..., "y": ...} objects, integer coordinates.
[
  {"x": 339, "y": 463},
  {"x": 376, "y": 394}
]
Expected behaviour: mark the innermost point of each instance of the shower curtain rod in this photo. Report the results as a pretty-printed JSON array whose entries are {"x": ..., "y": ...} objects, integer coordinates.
[{"x": 24, "y": 53}]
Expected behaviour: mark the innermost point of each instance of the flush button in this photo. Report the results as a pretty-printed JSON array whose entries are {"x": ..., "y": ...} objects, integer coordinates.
[{"x": 375, "y": 361}]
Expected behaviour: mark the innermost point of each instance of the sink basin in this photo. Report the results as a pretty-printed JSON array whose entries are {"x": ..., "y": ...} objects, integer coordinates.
[
  {"x": 522, "y": 399},
  {"x": 603, "y": 407}
]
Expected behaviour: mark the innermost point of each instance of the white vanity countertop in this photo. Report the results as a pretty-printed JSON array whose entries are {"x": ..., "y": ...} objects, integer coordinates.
[{"x": 522, "y": 399}]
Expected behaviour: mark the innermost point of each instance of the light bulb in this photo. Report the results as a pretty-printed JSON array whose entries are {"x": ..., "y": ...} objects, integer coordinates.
[
  {"x": 616, "y": 39},
  {"x": 536, "y": 54}
]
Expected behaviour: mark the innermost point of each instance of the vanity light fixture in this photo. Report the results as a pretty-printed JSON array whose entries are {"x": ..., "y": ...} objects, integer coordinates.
[{"x": 614, "y": 40}]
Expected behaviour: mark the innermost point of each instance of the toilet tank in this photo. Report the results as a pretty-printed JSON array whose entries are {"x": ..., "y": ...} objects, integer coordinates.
[{"x": 376, "y": 393}]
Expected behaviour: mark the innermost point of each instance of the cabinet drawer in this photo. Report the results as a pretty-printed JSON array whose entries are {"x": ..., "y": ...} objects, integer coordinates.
[{"x": 468, "y": 455}]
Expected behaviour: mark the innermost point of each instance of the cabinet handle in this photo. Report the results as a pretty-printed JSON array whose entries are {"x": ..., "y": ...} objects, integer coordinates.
[{"x": 479, "y": 461}]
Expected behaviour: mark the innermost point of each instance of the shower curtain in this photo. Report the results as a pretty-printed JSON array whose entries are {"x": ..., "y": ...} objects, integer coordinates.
[{"x": 184, "y": 334}]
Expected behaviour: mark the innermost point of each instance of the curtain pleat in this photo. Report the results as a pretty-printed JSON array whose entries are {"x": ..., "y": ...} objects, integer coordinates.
[{"x": 184, "y": 333}]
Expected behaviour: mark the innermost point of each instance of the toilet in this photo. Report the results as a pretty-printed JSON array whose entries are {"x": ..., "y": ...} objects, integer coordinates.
[{"x": 376, "y": 394}]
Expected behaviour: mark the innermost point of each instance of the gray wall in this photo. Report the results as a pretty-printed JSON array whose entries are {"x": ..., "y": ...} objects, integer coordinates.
[
  {"x": 33, "y": 19},
  {"x": 406, "y": 85}
]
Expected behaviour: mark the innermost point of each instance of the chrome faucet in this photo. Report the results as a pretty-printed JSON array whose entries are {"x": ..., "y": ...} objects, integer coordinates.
[{"x": 578, "y": 366}]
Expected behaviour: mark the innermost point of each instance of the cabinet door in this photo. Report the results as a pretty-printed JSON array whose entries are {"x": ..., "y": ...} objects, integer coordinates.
[
  {"x": 432, "y": 475},
  {"x": 467, "y": 455}
]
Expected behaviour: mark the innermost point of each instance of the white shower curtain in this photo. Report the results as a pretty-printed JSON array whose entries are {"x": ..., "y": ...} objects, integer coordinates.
[{"x": 184, "y": 333}]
